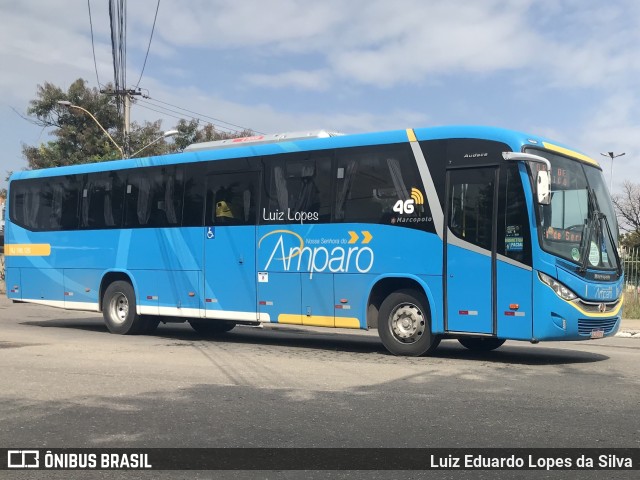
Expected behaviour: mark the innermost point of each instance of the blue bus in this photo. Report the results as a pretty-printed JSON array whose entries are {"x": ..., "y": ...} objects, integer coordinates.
[{"x": 473, "y": 233}]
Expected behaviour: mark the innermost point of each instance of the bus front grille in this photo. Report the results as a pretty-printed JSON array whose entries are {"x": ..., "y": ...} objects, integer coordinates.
[{"x": 586, "y": 326}]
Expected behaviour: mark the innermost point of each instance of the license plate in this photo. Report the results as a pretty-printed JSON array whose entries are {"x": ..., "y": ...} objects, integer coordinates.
[{"x": 597, "y": 333}]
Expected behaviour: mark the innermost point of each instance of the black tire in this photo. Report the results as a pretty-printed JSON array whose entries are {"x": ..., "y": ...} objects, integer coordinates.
[
  {"x": 481, "y": 344},
  {"x": 404, "y": 324},
  {"x": 119, "y": 309},
  {"x": 212, "y": 327}
]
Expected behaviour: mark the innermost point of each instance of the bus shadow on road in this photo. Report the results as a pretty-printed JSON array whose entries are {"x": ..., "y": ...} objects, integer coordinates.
[
  {"x": 520, "y": 353},
  {"x": 299, "y": 339}
]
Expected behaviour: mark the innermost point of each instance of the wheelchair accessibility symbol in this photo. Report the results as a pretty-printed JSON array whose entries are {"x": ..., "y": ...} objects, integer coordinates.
[{"x": 211, "y": 233}]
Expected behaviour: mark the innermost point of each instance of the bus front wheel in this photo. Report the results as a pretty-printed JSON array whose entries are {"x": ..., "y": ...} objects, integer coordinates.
[
  {"x": 119, "y": 310},
  {"x": 404, "y": 325}
]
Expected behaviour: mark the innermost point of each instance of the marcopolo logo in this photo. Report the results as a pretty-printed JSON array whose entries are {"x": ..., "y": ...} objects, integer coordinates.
[{"x": 287, "y": 250}]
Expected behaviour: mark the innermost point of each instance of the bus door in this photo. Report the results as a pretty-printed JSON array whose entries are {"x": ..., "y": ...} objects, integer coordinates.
[
  {"x": 471, "y": 249},
  {"x": 230, "y": 246}
]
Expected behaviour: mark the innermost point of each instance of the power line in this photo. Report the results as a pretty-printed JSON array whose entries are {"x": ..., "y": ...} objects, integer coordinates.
[
  {"x": 201, "y": 115},
  {"x": 149, "y": 46},
  {"x": 92, "y": 44},
  {"x": 165, "y": 111},
  {"x": 158, "y": 111}
]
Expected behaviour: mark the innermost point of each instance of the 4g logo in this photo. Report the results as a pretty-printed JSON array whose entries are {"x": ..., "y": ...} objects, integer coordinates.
[{"x": 408, "y": 206}]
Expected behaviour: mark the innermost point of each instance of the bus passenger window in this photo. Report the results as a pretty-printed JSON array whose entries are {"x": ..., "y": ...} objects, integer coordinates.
[
  {"x": 101, "y": 200},
  {"x": 372, "y": 180},
  {"x": 297, "y": 188},
  {"x": 230, "y": 199}
]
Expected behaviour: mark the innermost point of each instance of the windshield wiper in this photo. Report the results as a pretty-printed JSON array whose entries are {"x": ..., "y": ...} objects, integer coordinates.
[
  {"x": 588, "y": 230},
  {"x": 609, "y": 233},
  {"x": 593, "y": 222}
]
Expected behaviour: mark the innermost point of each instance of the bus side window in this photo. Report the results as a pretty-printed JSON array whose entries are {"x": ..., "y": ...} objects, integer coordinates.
[
  {"x": 297, "y": 188},
  {"x": 101, "y": 200},
  {"x": 230, "y": 199},
  {"x": 194, "y": 190},
  {"x": 513, "y": 222},
  {"x": 372, "y": 180}
]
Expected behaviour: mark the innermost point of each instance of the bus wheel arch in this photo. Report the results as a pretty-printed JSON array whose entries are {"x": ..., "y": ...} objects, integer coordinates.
[
  {"x": 399, "y": 308},
  {"x": 119, "y": 306},
  {"x": 108, "y": 279}
]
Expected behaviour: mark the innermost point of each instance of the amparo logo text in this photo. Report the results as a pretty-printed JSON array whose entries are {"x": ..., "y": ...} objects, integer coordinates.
[{"x": 289, "y": 253}]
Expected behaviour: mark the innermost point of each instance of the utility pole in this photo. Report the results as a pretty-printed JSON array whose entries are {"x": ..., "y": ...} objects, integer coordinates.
[{"x": 126, "y": 127}]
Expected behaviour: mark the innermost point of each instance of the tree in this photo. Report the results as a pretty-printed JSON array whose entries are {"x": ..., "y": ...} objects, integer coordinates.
[
  {"x": 627, "y": 206},
  {"x": 189, "y": 133},
  {"x": 79, "y": 139}
]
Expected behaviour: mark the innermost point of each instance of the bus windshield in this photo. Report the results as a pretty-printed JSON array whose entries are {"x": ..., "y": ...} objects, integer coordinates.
[{"x": 579, "y": 225}]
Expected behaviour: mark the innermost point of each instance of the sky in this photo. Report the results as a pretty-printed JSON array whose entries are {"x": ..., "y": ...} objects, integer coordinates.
[{"x": 565, "y": 69}]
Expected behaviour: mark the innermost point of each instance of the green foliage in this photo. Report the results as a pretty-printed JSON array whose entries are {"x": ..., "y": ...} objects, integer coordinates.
[
  {"x": 190, "y": 133},
  {"x": 630, "y": 240},
  {"x": 79, "y": 139}
]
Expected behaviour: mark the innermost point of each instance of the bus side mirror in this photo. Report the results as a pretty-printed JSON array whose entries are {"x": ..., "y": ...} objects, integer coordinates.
[{"x": 543, "y": 187}]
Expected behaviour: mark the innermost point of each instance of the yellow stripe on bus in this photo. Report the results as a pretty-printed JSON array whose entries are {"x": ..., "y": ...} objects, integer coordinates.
[
  {"x": 570, "y": 153},
  {"x": 319, "y": 321},
  {"x": 411, "y": 135},
  {"x": 27, "y": 250}
]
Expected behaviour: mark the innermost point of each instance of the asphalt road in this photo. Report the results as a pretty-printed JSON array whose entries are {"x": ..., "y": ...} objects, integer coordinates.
[{"x": 66, "y": 382}]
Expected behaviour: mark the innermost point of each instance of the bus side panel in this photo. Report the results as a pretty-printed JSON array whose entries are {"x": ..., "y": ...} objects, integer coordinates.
[
  {"x": 317, "y": 299},
  {"x": 355, "y": 289},
  {"x": 167, "y": 293},
  {"x": 279, "y": 297},
  {"x": 43, "y": 284},
  {"x": 82, "y": 288},
  {"x": 167, "y": 270},
  {"x": 515, "y": 306},
  {"x": 13, "y": 283}
]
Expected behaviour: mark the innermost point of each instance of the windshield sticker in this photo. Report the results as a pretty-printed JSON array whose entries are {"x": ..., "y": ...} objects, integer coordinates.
[
  {"x": 513, "y": 240},
  {"x": 594, "y": 254},
  {"x": 605, "y": 255},
  {"x": 575, "y": 254}
]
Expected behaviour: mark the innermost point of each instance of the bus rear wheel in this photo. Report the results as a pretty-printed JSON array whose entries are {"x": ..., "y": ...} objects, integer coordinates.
[
  {"x": 404, "y": 325},
  {"x": 119, "y": 310},
  {"x": 481, "y": 344},
  {"x": 212, "y": 327}
]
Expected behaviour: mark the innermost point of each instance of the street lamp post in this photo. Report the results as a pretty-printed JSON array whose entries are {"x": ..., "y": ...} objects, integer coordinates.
[
  {"x": 68, "y": 104},
  {"x": 166, "y": 134},
  {"x": 611, "y": 155}
]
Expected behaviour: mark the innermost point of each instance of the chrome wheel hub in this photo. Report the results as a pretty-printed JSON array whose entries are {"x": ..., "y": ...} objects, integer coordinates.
[
  {"x": 119, "y": 308},
  {"x": 407, "y": 323}
]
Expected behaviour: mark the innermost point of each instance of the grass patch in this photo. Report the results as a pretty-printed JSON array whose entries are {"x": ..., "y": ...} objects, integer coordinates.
[{"x": 631, "y": 308}]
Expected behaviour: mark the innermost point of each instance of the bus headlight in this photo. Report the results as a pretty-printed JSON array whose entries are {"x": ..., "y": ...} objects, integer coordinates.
[{"x": 561, "y": 290}]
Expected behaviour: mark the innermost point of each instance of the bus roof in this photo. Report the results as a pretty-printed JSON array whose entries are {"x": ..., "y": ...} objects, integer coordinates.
[
  {"x": 306, "y": 141},
  {"x": 261, "y": 139}
]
